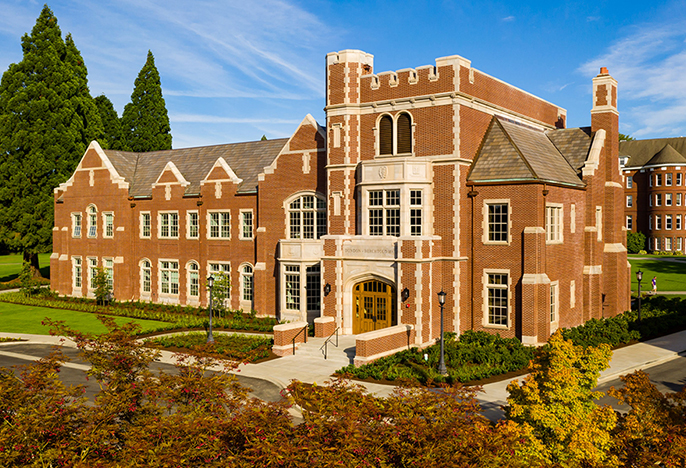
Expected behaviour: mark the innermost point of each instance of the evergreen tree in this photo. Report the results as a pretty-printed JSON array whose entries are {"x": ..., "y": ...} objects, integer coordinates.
[
  {"x": 47, "y": 119},
  {"x": 145, "y": 123},
  {"x": 111, "y": 123}
]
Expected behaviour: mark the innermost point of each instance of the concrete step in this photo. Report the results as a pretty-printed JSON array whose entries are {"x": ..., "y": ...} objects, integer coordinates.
[{"x": 342, "y": 354}]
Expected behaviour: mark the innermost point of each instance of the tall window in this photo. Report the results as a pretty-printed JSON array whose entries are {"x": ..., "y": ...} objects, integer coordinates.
[
  {"x": 497, "y": 222},
  {"x": 193, "y": 280},
  {"x": 629, "y": 182},
  {"x": 146, "y": 225},
  {"x": 169, "y": 277},
  {"x": 108, "y": 265},
  {"x": 169, "y": 225},
  {"x": 292, "y": 287},
  {"x": 668, "y": 243},
  {"x": 668, "y": 199},
  {"x": 678, "y": 178},
  {"x": 108, "y": 219},
  {"x": 313, "y": 286},
  {"x": 76, "y": 266},
  {"x": 679, "y": 244},
  {"x": 553, "y": 301},
  {"x": 395, "y": 137},
  {"x": 307, "y": 217},
  {"x": 404, "y": 133},
  {"x": 76, "y": 224},
  {"x": 629, "y": 222},
  {"x": 657, "y": 243},
  {"x": 678, "y": 199},
  {"x": 668, "y": 221},
  {"x": 553, "y": 215},
  {"x": 219, "y": 224},
  {"x": 658, "y": 199},
  {"x": 92, "y": 272},
  {"x": 219, "y": 269},
  {"x": 246, "y": 224},
  {"x": 415, "y": 212},
  {"x": 678, "y": 222},
  {"x": 386, "y": 136},
  {"x": 92, "y": 221},
  {"x": 146, "y": 277},
  {"x": 668, "y": 180},
  {"x": 497, "y": 292},
  {"x": 629, "y": 201},
  {"x": 384, "y": 212},
  {"x": 658, "y": 180},
  {"x": 193, "y": 227},
  {"x": 658, "y": 222},
  {"x": 246, "y": 283}
]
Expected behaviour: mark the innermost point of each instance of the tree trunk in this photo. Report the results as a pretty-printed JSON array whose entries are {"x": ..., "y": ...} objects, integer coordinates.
[{"x": 32, "y": 259}]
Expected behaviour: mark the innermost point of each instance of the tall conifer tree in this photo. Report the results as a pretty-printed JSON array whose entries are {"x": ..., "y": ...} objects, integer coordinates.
[
  {"x": 110, "y": 122},
  {"x": 145, "y": 123},
  {"x": 47, "y": 119}
]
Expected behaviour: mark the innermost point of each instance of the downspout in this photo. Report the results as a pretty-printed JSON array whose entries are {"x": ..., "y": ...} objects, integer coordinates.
[{"x": 472, "y": 195}]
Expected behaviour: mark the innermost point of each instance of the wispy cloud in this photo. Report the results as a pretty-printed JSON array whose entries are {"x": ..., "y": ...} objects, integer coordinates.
[
  {"x": 508, "y": 19},
  {"x": 650, "y": 65}
]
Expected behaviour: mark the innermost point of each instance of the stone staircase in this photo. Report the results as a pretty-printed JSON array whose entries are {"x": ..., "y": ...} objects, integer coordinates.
[{"x": 342, "y": 355}]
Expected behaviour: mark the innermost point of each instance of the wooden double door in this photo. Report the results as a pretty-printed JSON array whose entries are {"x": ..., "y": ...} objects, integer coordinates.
[{"x": 373, "y": 306}]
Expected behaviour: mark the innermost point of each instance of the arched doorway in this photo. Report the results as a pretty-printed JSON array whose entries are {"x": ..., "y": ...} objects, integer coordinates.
[{"x": 373, "y": 306}]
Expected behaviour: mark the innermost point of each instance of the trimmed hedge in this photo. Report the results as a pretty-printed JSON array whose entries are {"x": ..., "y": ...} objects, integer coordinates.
[
  {"x": 232, "y": 347},
  {"x": 177, "y": 316}
]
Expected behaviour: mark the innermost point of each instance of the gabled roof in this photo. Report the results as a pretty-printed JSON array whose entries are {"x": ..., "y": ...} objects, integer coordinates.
[
  {"x": 654, "y": 152},
  {"x": 511, "y": 152},
  {"x": 573, "y": 144},
  {"x": 246, "y": 160}
]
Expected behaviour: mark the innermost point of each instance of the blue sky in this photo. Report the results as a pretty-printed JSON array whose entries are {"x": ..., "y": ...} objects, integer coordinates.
[{"x": 235, "y": 70}]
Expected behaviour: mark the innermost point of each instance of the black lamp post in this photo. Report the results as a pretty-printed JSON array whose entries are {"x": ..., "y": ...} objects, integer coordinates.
[
  {"x": 441, "y": 364},
  {"x": 210, "y": 284},
  {"x": 639, "y": 277}
]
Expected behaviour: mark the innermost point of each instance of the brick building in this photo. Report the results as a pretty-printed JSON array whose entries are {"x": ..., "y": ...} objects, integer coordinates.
[
  {"x": 655, "y": 190},
  {"x": 437, "y": 178}
]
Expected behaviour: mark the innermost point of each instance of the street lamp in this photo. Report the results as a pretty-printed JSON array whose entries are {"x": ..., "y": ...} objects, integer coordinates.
[
  {"x": 441, "y": 364},
  {"x": 639, "y": 277},
  {"x": 210, "y": 284}
]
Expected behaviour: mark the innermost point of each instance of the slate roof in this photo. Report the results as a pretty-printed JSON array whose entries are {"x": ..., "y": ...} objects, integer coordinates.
[
  {"x": 247, "y": 160},
  {"x": 653, "y": 152},
  {"x": 573, "y": 143},
  {"x": 512, "y": 152}
]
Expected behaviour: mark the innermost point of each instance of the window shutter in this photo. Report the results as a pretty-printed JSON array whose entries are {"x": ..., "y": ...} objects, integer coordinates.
[
  {"x": 404, "y": 134},
  {"x": 386, "y": 135}
]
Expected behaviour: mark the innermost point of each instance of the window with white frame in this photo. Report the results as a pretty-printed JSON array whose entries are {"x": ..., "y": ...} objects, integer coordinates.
[
  {"x": 108, "y": 225},
  {"x": 658, "y": 222},
  {"x": 108, "y": 265},
  {"x": 192, "y": 225},
  {"x": 193, "y": 270},
  {"x": 416, "y": 204},
  {"x": 650, "y": 223},
  {"x": 146, "y": 225},
  {"x": 650, "y": 180},
  {"x": 678, "y": 199},
  {"x": 146, "y": 277},
  {"x": 658, "y": 180},
  {"x": 629, "y": 182},
  {"x": 668, "y": 199},
  {"x": 678, "y": 222},
  {"x": 168, "y": 225},
  {"x": 395, "y": 135},
  {"x": 306, "y": 217},
  {"x": 679, "y": 243},
  {"x": 658, "y": 199},
  {"x": 497, "y": 224},
  {"x": 247, "y": 283},
  {"x": 650, "y": 200},
  {"x": 572, "y": 294},
  {"x": 384, "y": 212},
  {"x": 629, "y": 201},
  {"x": 497, "y": 296},
  {"x": 553, "y": 217},
  {"x": 76, "y": 225},
  {"x": 246, "y": 224},
  {"x": 678, "y": 179},
  {"x": 657, "y": 243},
  {"x": 220, "y": 269},
  {"x": 219, "y": 224},
  {"x": 668, "y": 243},
  {"x": 554, "y": 300},
  {"x": 77, "y": 275},
  {"x": 629, "y": 222},
  {"x": 599, "y": 222},
  {"x": 92, "y": 222},
  {"x": 668, "y": 222},
  {"x": 92, "y": 272},
  {"x": 169, "y": 277},
  {"x": 292, "y": 279},
  {"x": 668, "y": 180}
]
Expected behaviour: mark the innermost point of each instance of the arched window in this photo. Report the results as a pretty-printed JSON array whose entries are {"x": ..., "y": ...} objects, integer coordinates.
[
  {"x": 404, "y": 124},
  {"x": 146, "y": 277},
  {"x": 307, "y": 217},
  {"x": 386, "y": 135},
  {"x": 246, "y": 283},
  {"x": 92, "y": 221},
  {"x": 193, "y": 279}
]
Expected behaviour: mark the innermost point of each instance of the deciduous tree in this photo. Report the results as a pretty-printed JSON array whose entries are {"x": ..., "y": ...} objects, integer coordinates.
[
  {"x": 47, "y": 120},
  {"x": 145, "y": 123}
]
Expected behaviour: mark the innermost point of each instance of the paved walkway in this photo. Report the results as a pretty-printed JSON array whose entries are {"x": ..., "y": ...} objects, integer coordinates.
[{"x": 309, "y": 365}]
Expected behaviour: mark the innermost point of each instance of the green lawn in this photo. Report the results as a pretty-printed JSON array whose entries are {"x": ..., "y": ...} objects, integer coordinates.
[
  {"x": 671, "y": 275},
  {"x": 16, "y": 318},
  {"x": 10, "y": 266}
]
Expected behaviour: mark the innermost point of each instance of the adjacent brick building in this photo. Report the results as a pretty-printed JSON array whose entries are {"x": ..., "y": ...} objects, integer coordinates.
[{"x": 437, "y": 178}]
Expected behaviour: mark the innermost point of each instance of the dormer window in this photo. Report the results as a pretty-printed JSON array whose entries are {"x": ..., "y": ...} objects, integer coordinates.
[{"x": 395, "y": 135}]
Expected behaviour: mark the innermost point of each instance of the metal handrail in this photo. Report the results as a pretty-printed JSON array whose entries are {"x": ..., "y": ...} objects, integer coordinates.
[
  {"x": 298, "y": 334},
  {"x": 324, "y": 348}
]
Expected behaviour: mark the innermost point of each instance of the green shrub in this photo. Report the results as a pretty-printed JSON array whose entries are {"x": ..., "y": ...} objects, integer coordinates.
[
  {"x": 635, "y": 241},
  {"x": 233, "y": 347}
]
